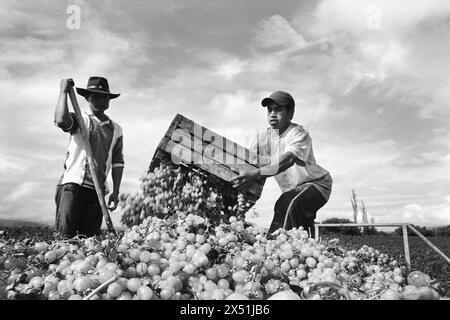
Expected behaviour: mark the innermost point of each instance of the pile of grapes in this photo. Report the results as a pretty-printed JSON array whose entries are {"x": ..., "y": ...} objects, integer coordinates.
[
  {"x": 170, "y": 189},
  {"x": 188, "y": 239},
  {"x": 187, "y": 257}
]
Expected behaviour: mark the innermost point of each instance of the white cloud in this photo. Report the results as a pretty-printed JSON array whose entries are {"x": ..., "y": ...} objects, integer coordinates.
[
  {"x": 403, "y": 58},
  {"x": 413, "y": 208},
  {"x": 18, "y": 52},
  {"x": 9, "y": 163},
  {"x": 229, "y": 69},
  {"x": 380, "y": 59},
  {"x": 363, "y": 161},
  {"x": 277, "y": 32},
  {"x": 22, "y": 191},
  {"x": 446, "y": 160},
  {"x": 234, "y": 105},
  {"x": 429, "y": 216},
  {"x": 395, "y": 16},
  {"x": 264, "y": 64},
  {"x": 443, "y": 211},
  {"x": 316, "y": 107}
]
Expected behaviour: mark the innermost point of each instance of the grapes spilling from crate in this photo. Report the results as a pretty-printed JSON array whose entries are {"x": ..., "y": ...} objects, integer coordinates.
[{"x": 171, "y": 189}]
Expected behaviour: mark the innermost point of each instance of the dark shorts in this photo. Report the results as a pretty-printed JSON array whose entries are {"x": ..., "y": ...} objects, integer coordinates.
[
  {"x": 298, "y": 208},
  {"x": 77, "y": 210}
]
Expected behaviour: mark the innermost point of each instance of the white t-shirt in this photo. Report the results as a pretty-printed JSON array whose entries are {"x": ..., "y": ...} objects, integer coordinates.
[{"x": 270, "y": 146}]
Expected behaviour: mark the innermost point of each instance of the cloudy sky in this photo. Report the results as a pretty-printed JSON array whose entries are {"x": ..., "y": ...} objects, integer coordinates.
[{"x": 370, "y": 79}]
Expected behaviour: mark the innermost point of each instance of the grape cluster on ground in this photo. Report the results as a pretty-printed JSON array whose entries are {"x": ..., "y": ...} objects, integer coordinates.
[{"x": 194, "y": 243}]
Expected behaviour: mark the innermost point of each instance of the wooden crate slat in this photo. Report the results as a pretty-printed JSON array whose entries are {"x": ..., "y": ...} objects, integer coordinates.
[
  {"x": 188, "y": 157},
  {"x": 238, "y": 151},
  {"x": 172, "y": 127},
  {"x": 231, "y": 147},
  {"x": 189, "y": 141},
  {"x": 157, "y": 155}
]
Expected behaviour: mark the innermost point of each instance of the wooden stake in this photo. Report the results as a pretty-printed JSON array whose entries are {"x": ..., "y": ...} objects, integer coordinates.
[
  {"x": 90, "y": 158},
  {"x": 406, "y": 245}
]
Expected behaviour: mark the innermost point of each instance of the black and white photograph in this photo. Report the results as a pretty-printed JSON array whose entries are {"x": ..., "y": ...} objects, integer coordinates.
[{"x": 207, "y": 150}]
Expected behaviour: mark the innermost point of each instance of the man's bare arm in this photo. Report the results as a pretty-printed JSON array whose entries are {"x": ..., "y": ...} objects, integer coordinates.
[
  {"x": 247, "y": 178},
  {"x": 286, "y": 161},
  {"x": 62, "y": 116},
  {"x": 117, "y": 179}
]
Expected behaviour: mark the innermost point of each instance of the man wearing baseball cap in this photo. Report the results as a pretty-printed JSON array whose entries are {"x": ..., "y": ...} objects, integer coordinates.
[
  {"x": 78, "y": 210},
  {"x": 284, "y": 151}
]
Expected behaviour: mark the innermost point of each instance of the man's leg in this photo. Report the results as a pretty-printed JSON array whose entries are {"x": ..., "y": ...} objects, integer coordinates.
[
  {"x": 92, "y": 216},
  {"x": 280, "y": 210},
  {"x": 304, "y": 209},
  {"x": 67, "y": 209}
]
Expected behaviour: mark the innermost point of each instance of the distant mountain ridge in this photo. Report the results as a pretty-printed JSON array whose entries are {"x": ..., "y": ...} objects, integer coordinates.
[
  {"x": 12, "y": 223},
  {"x": 17, "y": 223}
]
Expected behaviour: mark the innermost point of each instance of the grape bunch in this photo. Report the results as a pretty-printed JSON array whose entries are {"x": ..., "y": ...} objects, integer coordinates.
[{"x": 171, "y": 189}]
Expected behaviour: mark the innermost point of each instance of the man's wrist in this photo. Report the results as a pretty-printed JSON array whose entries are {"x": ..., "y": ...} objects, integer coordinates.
[{"x": 268, "y": 171}]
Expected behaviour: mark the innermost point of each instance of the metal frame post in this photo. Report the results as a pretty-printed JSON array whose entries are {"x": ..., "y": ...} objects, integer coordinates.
[
  {"x": 406, "y": 245},
  {"x": 316, "y": 228}
]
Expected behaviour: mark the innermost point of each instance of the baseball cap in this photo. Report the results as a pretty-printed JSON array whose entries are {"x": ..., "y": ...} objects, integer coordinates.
[{"x": 280, "y": 97}]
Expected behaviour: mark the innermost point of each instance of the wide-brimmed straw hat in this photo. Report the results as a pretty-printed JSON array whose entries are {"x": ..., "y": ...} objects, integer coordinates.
[{"x": 97, "y": 85}]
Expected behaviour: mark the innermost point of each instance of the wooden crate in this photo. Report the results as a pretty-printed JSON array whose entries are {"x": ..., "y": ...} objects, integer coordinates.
[{"x": 199, "y": 148}]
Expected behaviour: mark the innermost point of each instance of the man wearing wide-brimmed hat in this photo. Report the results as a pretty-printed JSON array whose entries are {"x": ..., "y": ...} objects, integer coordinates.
[
  {"x": 77, "y": 207},
  {"x": 285, "y": 151}
]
